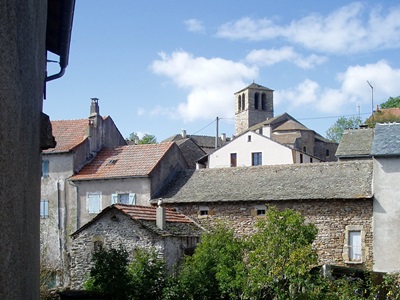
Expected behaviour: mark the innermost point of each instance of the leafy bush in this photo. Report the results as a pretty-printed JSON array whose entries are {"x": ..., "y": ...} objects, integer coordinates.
[
  {"x": 147, "y": 275},
  {"x": 109, "y": 274}
]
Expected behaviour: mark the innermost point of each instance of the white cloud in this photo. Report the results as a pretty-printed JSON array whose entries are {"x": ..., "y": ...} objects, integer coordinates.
[
  {"x": 194, "y": 25},
  {"x": 350, "y": 29},
  {"x": 211, "y": 83},
  {"x": 264, "y": 57},
  {"x": 353, "y": 89}
]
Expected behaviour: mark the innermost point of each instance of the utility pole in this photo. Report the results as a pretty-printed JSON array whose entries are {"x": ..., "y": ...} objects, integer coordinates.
[
  {"x": 216, "y": 136},
  {"x": 372, "y": 97}
]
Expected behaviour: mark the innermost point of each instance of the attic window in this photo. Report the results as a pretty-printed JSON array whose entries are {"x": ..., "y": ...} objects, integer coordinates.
[
  {"x": 249, "y": 138},
  {"x": 112, "y": 161}
]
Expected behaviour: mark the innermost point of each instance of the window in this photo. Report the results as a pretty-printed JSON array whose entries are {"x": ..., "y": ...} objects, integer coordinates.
[
  {"x": 93, "y": 203},
  {"x": 233, "y": 160},
  {"x": 256, "y": 100},
  {"x": 261, "y": 209},
  {"x": 301, "y": 158},
  {"x": 327, "y": 152},
  {"x": 256, "y": 159},
  {"x": 239, "y": 103},
  {"x": 124, "y": 198},
  {"x": 45, "y": 168},
  {"x": 304, "y": 149},
  {"x": 203, "y": 211},
  {"x": 249, "y": 138},
  {"x": 263, "y": 101},
  {"x": 311, "y": 160},
  {"x": 354, "y": 245},
  {"x": 44, "y": 208}
]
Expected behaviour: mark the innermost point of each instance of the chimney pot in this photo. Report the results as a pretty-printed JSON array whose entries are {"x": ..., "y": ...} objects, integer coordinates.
[{"x": 184, "y": 133}]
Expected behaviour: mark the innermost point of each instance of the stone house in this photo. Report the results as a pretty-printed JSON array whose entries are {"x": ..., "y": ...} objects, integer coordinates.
[
  {"x": 251, "y": 149},
  {"x": 129, "y": 174},
  {"x": 78, "y": 142},
  {"x": 170, "y": 233},
  {"x": 337, "y": 197}
]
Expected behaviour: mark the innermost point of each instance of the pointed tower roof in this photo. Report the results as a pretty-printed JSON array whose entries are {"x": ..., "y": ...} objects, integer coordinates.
[{"x": 254, "y": 86}]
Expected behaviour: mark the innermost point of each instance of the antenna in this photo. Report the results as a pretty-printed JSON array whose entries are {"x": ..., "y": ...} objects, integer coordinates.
[{"x": 372, "y": 97}]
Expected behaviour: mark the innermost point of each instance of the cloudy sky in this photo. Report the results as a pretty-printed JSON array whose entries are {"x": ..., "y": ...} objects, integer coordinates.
[{"x": 162, "y": 66}]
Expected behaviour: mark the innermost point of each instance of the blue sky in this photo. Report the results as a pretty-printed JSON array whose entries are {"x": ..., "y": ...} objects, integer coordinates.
[{"x": 162, "y": 66}]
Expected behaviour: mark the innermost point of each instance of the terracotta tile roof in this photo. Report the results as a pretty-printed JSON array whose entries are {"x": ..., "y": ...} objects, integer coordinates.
[
  {"x": 177, "y": 224},
  {"x": 148, "y": 213},
  {"x": 124, "y": 161},
  {"x": 68, "y": 134}
]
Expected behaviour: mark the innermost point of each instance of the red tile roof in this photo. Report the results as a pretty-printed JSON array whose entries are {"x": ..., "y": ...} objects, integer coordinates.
[
  {"x": 124, "y": 161},
  {"x": 68, "y": 134},
  {"x": 148, "y": 213}
]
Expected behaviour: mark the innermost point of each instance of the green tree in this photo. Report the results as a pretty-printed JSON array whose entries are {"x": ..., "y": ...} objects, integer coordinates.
[
  {"x": 280, "y": 255},
  {"x": 109, "y": 275},
  {"x": 147, "y": 275},
  {"x": 146, "y": 139},
  {"x": 391, "y": 103},
  {"x": 215, "y": 271},
  {"x": 335, "y": 132}
]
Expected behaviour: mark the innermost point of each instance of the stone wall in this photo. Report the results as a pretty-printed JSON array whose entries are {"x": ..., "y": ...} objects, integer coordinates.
[
  {"x": 330, "y": 216},
  {"x": 114, "y": 229}
]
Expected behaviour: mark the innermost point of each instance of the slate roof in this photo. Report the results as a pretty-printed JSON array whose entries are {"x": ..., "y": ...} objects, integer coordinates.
[
  {"x": 177, "y": 224},
  {"x": 386, "y": 140},
  {"x": 205, "y": 142},
  {"x": 124, "y": 161},
  {"x": 339, "y": 180},
  {"x": 191, "y": 151},
  {"x": 291, "y": 125},
  {"x": 68, "y": 134},
  {"x": 254, "y": 86},
  {"x": 356, "y": 143}
]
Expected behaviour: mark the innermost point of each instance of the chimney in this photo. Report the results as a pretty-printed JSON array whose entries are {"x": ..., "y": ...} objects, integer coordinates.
[
  {"x": 160, "y": 216},
  {"x": 94, "y": 107},
  {"x": 266, "y": 131},
  {"x": 223, "y": 137},
  {"x": 184, "y": 133}
]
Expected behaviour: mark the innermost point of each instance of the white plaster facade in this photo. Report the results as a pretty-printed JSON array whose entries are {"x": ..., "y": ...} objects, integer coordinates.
[
  {"x": 386, "y": 211},
  {"x": 272, "y": 153}
]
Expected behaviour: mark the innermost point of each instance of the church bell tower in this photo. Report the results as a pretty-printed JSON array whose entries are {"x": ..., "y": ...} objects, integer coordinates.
[{"x": 253, "y": 104}]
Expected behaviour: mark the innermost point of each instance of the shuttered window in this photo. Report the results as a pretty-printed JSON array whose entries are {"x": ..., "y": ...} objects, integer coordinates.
[
  {"x": 93, "y": 203},
  {"x": 44, "y": 208}
]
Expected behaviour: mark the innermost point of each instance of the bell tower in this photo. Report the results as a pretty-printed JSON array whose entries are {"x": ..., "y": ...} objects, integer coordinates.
[{"x": 253, "y": 104}]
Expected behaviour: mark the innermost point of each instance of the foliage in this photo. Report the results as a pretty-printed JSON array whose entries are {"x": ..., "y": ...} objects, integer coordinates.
[
  {"x": 146, "y": 139},
  {"x": 381, "y": 117},
  {"x": 147, "y": 275},
  {"x": 109, "y": 275},
  {"x": 281, "y": 255},
  {"x": 391, "y": 103},
  {"x": 216, "y": 270},
  {"x": 335, "y": 132}
]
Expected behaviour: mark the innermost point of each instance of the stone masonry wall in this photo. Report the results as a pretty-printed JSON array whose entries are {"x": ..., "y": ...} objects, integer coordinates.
[
  {"x": 109, "y": 232},
  {"x": 330, "y": 216}
]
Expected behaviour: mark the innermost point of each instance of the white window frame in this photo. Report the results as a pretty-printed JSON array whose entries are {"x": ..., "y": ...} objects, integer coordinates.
[
  {"x": 350, "y": 250},
  {"x": 44, "y": 208},
  {"x": 89, "y": 206},
  {"x": 115, "y": 198}
]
